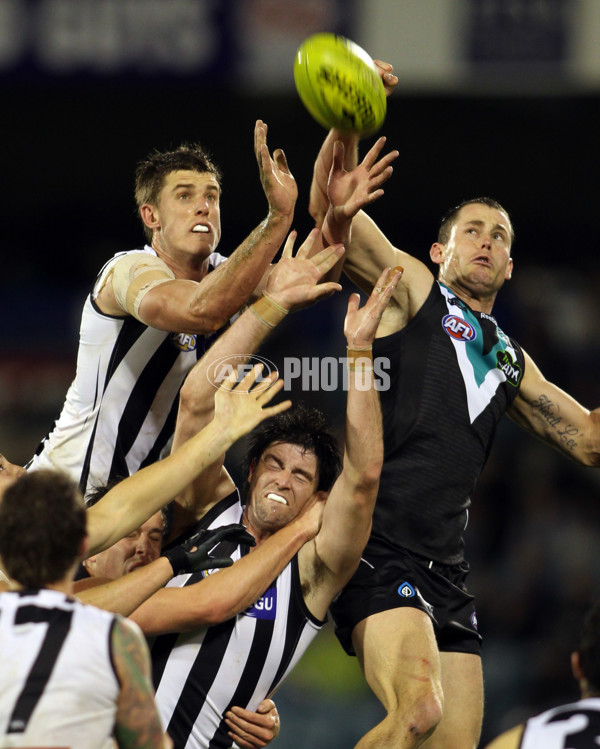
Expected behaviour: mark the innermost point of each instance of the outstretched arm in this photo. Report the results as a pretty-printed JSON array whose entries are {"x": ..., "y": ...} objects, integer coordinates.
[
  {"x": 134, "y": 500},
  {"x": 554, "y": 416},
  {"x": 328, "y": 562},
  {"x": 224, "y": 594},
  {"x": 293, "y": 283},
  {"x": 151, "y": 293}
]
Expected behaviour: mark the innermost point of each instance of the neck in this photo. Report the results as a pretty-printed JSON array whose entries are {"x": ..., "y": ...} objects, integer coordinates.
[
  {"x": 183, "y": 265},
  {"x": 477, "y": 302},
  {"x": 260, "y": 534}
]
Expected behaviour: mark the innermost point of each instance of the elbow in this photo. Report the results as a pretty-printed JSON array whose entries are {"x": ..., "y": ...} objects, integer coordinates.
[{"x": 216, "y": 614}]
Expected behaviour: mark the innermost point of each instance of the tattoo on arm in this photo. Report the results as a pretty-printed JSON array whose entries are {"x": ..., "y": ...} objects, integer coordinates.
[
  {"x": 566, "y": 435},
  {"x": 137, "y": 724}
]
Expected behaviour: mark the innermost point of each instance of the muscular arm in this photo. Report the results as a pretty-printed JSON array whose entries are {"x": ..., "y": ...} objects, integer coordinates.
[
  {"x": 328, "y": 562},
  {"x": 137, "y": 723},
  {"x": 293, "y": 282},
  {"x": 554, "y": 416},
  {"x": 224, "y": 594},
  {"x": 204, "y": 306},
  {"x": 124, "y": 595},
  {"x": 135, "y": 499}
]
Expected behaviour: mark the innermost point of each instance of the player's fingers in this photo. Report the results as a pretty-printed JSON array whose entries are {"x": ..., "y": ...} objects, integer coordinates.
[
  {"x": 281, "y": 161},
  {"x": 288, "y": 247},
  {"x": 267, "y": 390},
  {"x": 353, "y": 303},
  {"x": 276, "y": 409},
  {"x": 373, "y": 153},
  {"x": 328, "y": 257},
  {"x": 248, "y": 381},
  {"x": 338, "y": 156},
  {"x": 230, "y": 381},
  {"x": 308, "y": 244}
]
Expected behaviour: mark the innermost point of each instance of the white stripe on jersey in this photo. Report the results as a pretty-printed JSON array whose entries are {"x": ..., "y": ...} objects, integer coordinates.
[
  {"x": 559, "y": 727},
  {"x": 479, "y": 396},
  {"x": 253, "y": 653},
  {"x": 127, "y": 380},
  {"x": 77, "y": 686}
]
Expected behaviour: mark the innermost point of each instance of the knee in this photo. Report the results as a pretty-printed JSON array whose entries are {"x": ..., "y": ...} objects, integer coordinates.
[{"x": 424, "y": 714}]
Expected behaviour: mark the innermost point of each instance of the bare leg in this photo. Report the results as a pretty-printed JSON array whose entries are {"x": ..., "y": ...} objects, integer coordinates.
[
  {"x": 462, "y": 682},
  {"x": 399, "y": 657}
]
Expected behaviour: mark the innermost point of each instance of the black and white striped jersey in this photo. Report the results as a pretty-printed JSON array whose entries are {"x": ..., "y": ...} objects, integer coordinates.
[
  {"x": 58, "y": 686},
  {"x": 119, "y": 412},
  {"x": 574, "y": 726},
  {"x": 198, "y": 676}
]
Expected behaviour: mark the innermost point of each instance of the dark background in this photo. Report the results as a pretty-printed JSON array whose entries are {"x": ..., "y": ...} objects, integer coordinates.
[{"x": 69, "y": 150}]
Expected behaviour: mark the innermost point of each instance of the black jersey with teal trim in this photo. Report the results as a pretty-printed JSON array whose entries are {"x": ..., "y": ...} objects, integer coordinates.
[{"x": 453, "y": 374}]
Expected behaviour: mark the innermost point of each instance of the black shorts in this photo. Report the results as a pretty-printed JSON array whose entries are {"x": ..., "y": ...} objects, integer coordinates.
[{"x": 388, "y": 580}]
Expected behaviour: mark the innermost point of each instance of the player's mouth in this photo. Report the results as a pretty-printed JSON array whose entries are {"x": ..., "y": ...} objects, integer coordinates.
[
  {"x": 201, "y": 229},
  {"x": 277, "y": 498},
  {"x": 483, "y": 260}
]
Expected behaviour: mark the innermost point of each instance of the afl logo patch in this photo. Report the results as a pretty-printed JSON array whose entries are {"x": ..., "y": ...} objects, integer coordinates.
[
  {"x": 458, "y": 329},
  {"x": 183, "y": 341},
  {"x": 406, "y": 590}
]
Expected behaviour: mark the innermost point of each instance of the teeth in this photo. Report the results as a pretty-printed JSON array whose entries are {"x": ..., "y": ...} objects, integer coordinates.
[
  {"x": 276, "y": 498},
  {"x": 201, "y": 229}
]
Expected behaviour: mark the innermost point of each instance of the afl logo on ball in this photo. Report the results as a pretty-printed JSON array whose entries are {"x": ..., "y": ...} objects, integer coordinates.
[
  {"x": 406, "y": 590},
  {"x": 459, "y": 329}
]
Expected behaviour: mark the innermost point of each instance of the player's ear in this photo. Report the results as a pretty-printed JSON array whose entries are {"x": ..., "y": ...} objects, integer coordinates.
[
  {"x": 576, "y": 666},
  {"x": 436, "y": 253},
  {"x": 149, "y": 216},
  {"x": 251, "y": 468},
  {"x": 509, "y": 270}
]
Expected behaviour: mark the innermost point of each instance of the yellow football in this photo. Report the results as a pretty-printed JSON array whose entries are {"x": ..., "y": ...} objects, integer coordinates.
[{"x": 339, "y": 85}]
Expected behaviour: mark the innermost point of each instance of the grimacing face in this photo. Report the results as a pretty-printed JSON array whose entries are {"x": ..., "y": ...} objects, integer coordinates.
[
  {"x": 281, "y": 483},
  {"x": 139, "y": 548}
]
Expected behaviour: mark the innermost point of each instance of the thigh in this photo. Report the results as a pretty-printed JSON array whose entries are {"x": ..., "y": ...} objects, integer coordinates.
[
  {"x": 462, "y": 684},
  {"x": 399, "y": 656}
]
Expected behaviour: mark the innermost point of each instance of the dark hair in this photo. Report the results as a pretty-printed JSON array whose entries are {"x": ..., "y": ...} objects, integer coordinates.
[
  {"x": 42, "y": 525},
  {"x": 449, "y": 219},
  {"x": 150, "y": 173},
  {"x": 589, "y": 648},
  {"x": 304, "y": 427},
  {"x": 95, "y": 494}
]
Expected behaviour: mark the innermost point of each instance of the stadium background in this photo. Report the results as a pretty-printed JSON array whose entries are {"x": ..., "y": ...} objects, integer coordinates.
[{"x": 496, "y": 97}]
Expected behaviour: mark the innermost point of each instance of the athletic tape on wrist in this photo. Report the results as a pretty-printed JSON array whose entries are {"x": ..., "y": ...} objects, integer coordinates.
[
  {"x": 359, "y": 357},
  {"x": 268, "y": 311}
]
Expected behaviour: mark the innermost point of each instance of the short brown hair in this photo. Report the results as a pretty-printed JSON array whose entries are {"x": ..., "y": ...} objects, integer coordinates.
[
  {"x": 449, "y": 219},
  {"x": 42, "y": 525},
  {"x": 150, "y": 173}
]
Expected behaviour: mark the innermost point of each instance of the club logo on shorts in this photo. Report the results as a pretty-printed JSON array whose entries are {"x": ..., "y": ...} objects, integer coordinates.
[
  {"x": 183, "y": 341},
  {"x": 406, "y": 590},
  {"x": 474, "y": 620},
  {"x": 458, "y": 329},
  {"x": 265, "y": 607}
]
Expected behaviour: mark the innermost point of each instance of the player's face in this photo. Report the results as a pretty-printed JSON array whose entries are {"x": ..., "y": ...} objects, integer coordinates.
[
  {"x": 281, "y": 483},
  {"x": 135, "y": 550},
  {"x": 9, "y": 473},
  {"x": 476, "y": 258},
  {"x": 188, "y": 214}
]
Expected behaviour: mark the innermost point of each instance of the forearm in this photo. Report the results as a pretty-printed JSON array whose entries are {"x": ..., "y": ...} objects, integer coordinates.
[
  {"x": 223, "y": 594},
  {"x": 224, "y": 291},
  {"x": 124, "y": 595},
  {"x": 138, "y": 497}
]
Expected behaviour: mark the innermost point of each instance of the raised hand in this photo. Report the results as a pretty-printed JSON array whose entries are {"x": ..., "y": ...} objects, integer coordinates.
[
  {"x": 278, "y": 182},
  {"x": 294, "y": 281},
  {"x": 361, "y": 324},
  {"x": 349, "y": 191},
  {"x": 386, "y": 72},
  {"x": 241, "y": 407}
]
